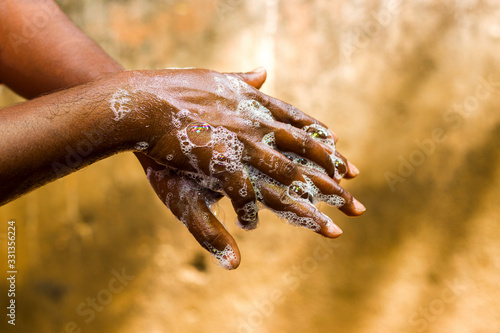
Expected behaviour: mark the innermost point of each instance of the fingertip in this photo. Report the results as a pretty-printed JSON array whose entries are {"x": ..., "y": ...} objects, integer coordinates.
[
  {"x": 243, "y": 200},
  {"x": 352, "y": 171},
  {"x": 259, "y": 69},
  {"x": 353, "y": 208},
  {"x": 233, "y": 261},
  {"x": 248, "y": 216},
  {"x": 256, "y": 77},
  {"x": 228, "y": 258},
  {"x": 330, "y": 229},
  {"x": 359, "y": 208},
  {"x": 246, "y": 224}
]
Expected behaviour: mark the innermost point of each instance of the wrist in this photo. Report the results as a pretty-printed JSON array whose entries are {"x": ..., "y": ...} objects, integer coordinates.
[{"x": 135, "y": 114}]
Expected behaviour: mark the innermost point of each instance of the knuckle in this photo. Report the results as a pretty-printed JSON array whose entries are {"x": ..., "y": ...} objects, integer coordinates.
[
  {"x": 211, "y": 239},
  {"x": 293, "y": 112},
  {"x": 264, "y": 99},
  {"x": 287, "y": 169},
  {"x": 346, "y": 196}
]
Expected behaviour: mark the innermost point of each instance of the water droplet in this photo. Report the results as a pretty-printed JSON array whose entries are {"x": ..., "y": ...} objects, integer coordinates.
[
  {"x": 340, "y": 167},
  {"x": 199, "y": 133},
  {"x": 320, "y": 133},
  {"x": 317, "y": 133}
]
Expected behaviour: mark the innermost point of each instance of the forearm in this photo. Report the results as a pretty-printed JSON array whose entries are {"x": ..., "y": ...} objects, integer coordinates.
[
  {"x": 60, "y": 56},
  {"x": 48, "y": 137},
  {"x": 43, "y": 51}
]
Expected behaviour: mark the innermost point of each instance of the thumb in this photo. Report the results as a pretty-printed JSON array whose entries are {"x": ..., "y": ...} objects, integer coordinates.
[{"x": 255, "y": 78}]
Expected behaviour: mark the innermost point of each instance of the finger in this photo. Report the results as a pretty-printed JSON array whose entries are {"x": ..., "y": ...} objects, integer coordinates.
[
  {"x": 273, "y": 164},
  {"x": 211, "y": 234},
  {"x": 238, "y": 188},
  {"x": 299, "y": 142},
  {"x": 352, "y": 170},
  {"x": 190, "y": 204},
  {"x": 255, "y": 78},
  {"x": 297, "y": 211},
  {"x": 332, "y": 193}
]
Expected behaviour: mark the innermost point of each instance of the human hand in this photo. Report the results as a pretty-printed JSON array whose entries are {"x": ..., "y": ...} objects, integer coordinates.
[
  {"x": 210, "y": 124},
  {"x": 191, "y": 202},
  {"x": 192, "y": 205}
]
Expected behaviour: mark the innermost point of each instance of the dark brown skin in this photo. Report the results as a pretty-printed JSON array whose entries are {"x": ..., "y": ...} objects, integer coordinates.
[{"x": 53, "y": 135}]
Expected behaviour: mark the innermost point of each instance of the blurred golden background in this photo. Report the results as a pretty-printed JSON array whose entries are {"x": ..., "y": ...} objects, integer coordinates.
[{"x": 412, "y": 89}]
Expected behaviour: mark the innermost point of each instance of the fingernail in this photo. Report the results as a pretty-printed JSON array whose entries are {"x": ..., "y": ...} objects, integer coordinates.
[
  {"x": 358, "y": 206},
  {"x": 353, "y": 169},
  {"x": 259, "y": 69}
]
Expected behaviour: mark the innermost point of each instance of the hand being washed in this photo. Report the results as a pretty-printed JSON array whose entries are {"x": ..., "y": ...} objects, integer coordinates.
[{"x": 190, "y": 194}]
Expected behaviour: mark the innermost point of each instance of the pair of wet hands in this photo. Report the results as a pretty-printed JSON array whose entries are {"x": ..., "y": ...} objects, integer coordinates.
[{"x": 213, "y": 134}]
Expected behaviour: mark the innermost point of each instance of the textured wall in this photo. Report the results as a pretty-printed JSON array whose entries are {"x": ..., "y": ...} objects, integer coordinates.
[{"x": 412, "y": 88}]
